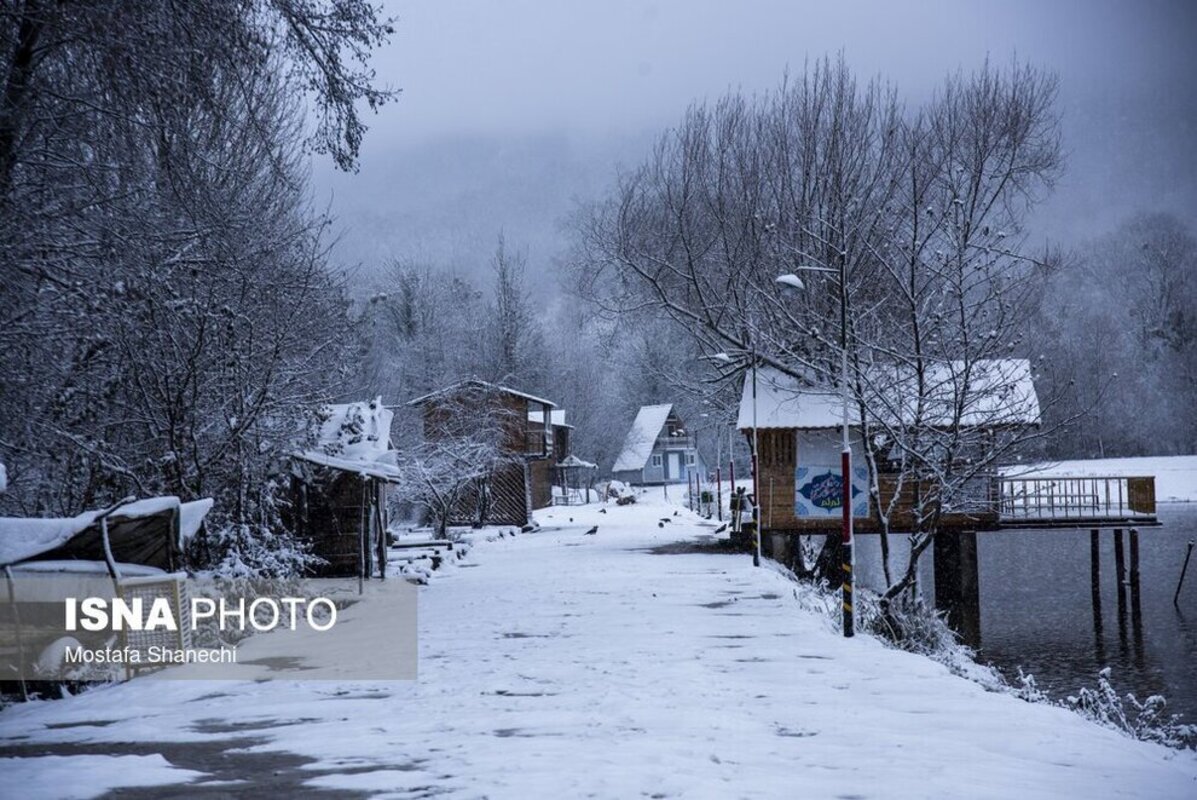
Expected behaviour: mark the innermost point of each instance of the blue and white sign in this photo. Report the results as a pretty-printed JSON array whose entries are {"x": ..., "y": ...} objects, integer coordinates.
[{"x": 819, "y": 492}]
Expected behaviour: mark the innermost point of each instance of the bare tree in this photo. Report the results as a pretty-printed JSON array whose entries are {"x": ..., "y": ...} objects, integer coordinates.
[{"x": 920, "y": 210}]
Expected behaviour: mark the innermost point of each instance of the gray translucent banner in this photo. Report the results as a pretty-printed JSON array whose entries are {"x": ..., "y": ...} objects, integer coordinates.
[{"x": 60, "y": 626}]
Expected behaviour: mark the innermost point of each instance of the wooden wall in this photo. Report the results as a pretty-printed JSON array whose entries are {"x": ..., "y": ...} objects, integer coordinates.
[
  {"x": 778, "y": 459},
  {"x": 328, "y": 513}
]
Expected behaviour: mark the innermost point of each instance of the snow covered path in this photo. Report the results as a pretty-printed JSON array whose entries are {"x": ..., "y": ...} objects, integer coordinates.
[{"x": 559, "y": 665}]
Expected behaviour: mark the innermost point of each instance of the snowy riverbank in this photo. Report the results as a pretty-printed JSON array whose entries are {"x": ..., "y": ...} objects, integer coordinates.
[
  {"x": 567, "y": 665},
  {"x": 1175, "y": 476}
]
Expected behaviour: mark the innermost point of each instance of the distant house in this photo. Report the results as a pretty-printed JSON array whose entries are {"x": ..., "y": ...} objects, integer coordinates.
[
  {"x": 339, "y": 489},
  {"x": 658, "y": 449},
  {"x": 525, "y": 481}
]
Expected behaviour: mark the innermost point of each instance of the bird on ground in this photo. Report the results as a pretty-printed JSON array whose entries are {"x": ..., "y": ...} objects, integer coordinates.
[
  {"x": 675, "y": 513},
  {"x": 602, "y": 511},
  {"x": 660, "y": 524},
  {"x": 592, "y": 531}
]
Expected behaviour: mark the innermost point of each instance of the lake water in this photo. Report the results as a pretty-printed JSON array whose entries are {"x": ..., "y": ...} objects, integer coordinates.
[{"x": 1037, "y": 609}]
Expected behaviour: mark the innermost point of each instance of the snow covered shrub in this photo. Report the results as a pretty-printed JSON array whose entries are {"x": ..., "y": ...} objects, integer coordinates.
[
  {"x": 1028, "y": 690},
  {"x": 1144, "y": 720},
  {"x": 261, "y": 548},
  {"x": 253, "y": 551}
]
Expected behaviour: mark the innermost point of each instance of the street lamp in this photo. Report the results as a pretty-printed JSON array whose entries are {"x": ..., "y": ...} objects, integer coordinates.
[{"x": 793, "y": 281}]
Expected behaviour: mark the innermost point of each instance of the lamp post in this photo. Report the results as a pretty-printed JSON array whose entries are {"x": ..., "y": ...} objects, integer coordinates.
[{"x": 846, "y": 543}]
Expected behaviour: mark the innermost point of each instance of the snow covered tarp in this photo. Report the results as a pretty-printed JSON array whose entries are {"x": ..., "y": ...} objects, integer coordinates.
[
  {"x": 994, "y": 392},
  {"x": 638, "y": 444},
  {"x": 151, "y": 532},
  {"x": 356, "y": 438}
]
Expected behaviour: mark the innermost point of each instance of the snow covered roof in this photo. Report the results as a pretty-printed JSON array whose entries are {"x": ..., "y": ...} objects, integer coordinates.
[
  {"x": 384, "y": 468},
  {"x": 22, "y": 538},
  {"x": 474, "y": 382},
  {"x": 999, "y": 392},
  {"x": 782, "y": 402},
  {"x": 638, "y": 444},
  {"x": 556, "y": 415},
  {"x": 574, "y": 461}
]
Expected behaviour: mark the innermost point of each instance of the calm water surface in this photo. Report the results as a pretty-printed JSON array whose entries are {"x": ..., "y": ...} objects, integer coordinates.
[{"x": 1037, "y": 609}]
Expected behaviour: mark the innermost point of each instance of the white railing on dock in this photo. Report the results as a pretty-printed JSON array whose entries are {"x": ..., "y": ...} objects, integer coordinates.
[{"x": 1064, "y": 498}]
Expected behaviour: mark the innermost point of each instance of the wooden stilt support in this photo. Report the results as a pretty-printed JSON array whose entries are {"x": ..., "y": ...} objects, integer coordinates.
[
  {"x": 1119, "y": 563},
  {"x": 1134, "y": 567},
  {"x": 1120, "y": 577},
  {"x": 1095, "y": 591},
  {"x": 957, "y": 584}
]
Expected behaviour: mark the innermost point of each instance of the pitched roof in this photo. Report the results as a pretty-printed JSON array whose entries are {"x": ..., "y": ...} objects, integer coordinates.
[
  {"x": 481, "y": 385},
  {"x": 999, "y": 392},
  {"x": 638, "y": 444}
]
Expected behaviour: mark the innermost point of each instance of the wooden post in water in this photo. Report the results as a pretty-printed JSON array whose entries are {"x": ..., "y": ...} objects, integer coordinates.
[
  {"x": 957, "y": 587},
  {"x": 1095, "y": 589},
  {"x": 1120, "y": 577},
  {"x": 1119, "y": 565},
  {"x": 1183, "y": 570},
  {"x": 1134, "y": 569}
]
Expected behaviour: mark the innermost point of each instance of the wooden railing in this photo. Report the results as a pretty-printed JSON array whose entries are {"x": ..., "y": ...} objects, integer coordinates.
[{"x": 1063, "y": 499}]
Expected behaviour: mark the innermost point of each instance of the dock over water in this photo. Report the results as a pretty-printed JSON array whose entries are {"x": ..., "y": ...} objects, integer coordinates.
[{"x": 1076, "y": 502}]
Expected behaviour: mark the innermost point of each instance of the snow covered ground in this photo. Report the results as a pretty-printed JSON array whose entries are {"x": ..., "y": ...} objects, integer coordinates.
[
  {"x": 556, "y": 664},
  {"x": 1175, "y": 476}
]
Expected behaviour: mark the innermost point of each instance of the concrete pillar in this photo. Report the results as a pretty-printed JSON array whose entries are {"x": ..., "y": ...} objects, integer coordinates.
[{"x": 957, "y": 582}]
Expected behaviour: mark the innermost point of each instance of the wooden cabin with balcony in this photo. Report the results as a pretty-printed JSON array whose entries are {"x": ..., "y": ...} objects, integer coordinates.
[
  {"x": 658, "y": 449},
  {"x": 524, "y": 482}
]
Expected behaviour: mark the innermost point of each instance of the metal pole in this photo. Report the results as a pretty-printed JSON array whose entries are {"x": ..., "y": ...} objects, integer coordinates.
[
  {"x": 846, "y": 466},
  {"x": 719, "y": 493},
  {"x": 756, "y": 470}
]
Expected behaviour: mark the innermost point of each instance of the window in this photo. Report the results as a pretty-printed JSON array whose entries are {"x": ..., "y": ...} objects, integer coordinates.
[
  {"x": 689, "y": 459},
  {"x": 656, "y": 459}
]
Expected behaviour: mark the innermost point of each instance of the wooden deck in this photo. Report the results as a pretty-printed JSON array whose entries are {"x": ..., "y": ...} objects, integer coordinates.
[{"x": 1077, "y": 502}]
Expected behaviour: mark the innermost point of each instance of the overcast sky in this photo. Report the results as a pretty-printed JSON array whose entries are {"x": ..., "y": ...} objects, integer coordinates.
[{"x": 511, "y": 110}]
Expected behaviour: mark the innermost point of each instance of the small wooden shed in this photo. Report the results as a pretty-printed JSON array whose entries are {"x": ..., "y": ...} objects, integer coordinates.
[{"x": 339, "y": 490}]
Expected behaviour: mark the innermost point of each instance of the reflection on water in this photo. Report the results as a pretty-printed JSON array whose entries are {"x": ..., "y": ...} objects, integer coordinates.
[{"x": 1037, "y": 608}]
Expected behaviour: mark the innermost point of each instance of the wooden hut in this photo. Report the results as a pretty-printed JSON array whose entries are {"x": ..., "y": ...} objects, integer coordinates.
[
  {"x": 799, "y": 429},
  {"x": 339, "y": 489},
  {"x": 523, "y": 480}
]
